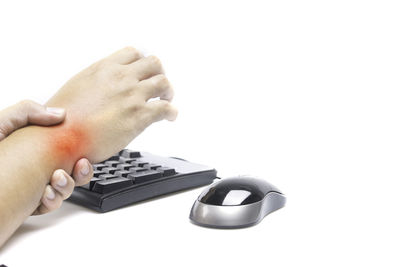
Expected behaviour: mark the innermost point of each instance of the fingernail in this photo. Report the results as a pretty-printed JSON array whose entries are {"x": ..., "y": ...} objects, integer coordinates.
[
  {"x": 50, "y": 193},
  {"x": 62, "y": 180},
  {"x": 85, "y": 169},
  {"x": 56, "y": 111}
]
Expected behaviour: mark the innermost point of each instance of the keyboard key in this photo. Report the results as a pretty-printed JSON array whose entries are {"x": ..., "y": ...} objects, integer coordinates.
[
  {"x": 90, "y": 185},
  {"x": 92, "y": 182},
  {"x": 99, "y": 166},
  {"x": 167, "y": 171},
  {"x": 126, "y": 153},
  {"x": 98, "y": 173},
  {"x": 107, "y": 176},
  {"x": 112, "y": 163},
  {"x": 115, "y": 157},
  {"x": 110, "y": 170},
  {"x": 126, "y": 160},
  {"x": 140, "y": 163},
  {"x": 140, "y": 176},
  {"x": 134, "y": 164},
  {"x": 122, "y": 173},
  {"x": 124, "y": 166},
  {"x": 144, "y": 176},
  {"x": 152, "y": 166},
  {"x": 137, "y": 169},
  {"x": 109, "y": 185}
]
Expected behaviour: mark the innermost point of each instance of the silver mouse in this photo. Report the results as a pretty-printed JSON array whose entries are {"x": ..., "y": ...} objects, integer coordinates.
[{"x": 236, "y": 202}]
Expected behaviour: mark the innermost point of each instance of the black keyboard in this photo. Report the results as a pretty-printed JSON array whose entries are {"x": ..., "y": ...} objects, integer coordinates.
[{"x": 132, "y": 176}]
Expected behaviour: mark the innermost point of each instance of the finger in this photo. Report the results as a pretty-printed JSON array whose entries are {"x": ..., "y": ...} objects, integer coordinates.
[
  {"x": 42, "y": 209},
  {"x": 126, "y": 55},
  {"x": 83, "y": 172},
  {"x": 156, "y": 86},
  {"x": 146, "y": 67},
  {"x": 160, "y": 110},
  {"x": 50, "y": 201},
  {"x": 62, "y": 183},
  {"x": 28, "y": 112}
]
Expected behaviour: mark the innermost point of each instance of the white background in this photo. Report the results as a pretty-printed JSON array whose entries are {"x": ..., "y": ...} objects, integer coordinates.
[{"x": 304, "y": 94}]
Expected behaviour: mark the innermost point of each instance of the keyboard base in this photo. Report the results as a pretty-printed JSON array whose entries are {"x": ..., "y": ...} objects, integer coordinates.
[{"x": 108, "y": 202}]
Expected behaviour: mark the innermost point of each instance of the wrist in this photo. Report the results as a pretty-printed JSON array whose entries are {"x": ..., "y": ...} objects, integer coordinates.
[
  {"x": 68, "y": 142},
  {"x": 56, "y": 147}
]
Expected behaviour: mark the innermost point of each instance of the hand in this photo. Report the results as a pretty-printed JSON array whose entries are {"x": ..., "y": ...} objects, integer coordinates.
[
  {"x": 61, "y": 184},
  {"x": 108, "y": 101}
]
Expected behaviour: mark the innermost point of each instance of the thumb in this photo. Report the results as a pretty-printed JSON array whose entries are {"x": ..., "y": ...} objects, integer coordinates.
[{"x": 28, "y": 112}]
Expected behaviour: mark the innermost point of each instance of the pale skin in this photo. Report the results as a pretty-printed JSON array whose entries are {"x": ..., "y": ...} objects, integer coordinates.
[
  {"x": 61, "y": 184},
  {"x": 107, "y": 105}
]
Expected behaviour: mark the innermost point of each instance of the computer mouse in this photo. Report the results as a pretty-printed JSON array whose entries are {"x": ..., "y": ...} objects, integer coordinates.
[{"x": 236, "y": 202}]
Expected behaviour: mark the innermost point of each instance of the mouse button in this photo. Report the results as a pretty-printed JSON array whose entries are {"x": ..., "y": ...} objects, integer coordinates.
[
  {"x": 231, "y": 192},
  {"x": 259, "y": 186},
  {"x": 240, "y": 197},
  {"x": 252, "y": 198},
  {"x": 212, "y": 196}
]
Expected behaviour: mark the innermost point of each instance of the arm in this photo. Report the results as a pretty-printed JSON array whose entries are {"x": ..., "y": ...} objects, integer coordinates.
[
  {"x": 61, "y": 184},
  {"x": 26, "y": 170},
  {"x": 107, "y": 106}
]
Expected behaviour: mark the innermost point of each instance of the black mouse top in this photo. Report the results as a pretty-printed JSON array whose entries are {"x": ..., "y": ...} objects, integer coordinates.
[{"x": 236, "y": 191}]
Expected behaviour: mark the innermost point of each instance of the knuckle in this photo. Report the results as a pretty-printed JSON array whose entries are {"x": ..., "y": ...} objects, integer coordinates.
[
  {"x": 169, "y": 94},
  {"x": 164, "y": 106},
  {"x": 161, "y": 111},
  {"x": 67, "y": 194},
  {"x": 71, "y": 182},
  {"x": 163, "y": 80},
  {"x": 26, "y": 103},
  {"x": 23, "y": 109},
  {"x": 117, "y": 73},
  {"x": 3, "y": 132},
  {"x": 133, "y": 104},
  {"x": 137, "y": 107},
  {"x": 131, "y": 50},
  {"x": 154, "y": 60},
  {"x": 103, "y": 65},
  {"x": 94, "y": 68},
  {"x": 100, "y": 66},
  {"x": 57, "y": 204},
  {"x": 137, "y": 54}
]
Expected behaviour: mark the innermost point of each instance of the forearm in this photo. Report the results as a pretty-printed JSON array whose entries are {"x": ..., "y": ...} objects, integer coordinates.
[
  {"x": 107, "y": 106},
  {"x": 28, "y": 157}
]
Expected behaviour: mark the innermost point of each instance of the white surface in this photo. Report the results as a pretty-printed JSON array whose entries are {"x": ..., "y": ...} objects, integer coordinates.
[{"x": 304, "y": 94}]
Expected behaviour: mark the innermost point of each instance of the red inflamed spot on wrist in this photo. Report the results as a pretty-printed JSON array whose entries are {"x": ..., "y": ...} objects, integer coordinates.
[{"x": 69, "y": 142}]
